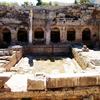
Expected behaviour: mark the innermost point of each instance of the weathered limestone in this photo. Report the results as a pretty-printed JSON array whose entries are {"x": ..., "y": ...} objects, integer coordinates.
[
  {"x": 75, "y": 16},
  {"x": 37, "y": 83},
  {"x": 34, "y": 85},
  {"x": 1, "y": 84},
  {"x": 17, "y": 83},
  {"x": 13, "y": 36},
  {"x": 47, "y": 49},
  {"x": 78, "y": 93},
  {"x": 53, "y": 83},
  {"x": 14, "y": 59},
  {"x": 30, "y": 31},
  {"x": 86, "y": 59},
  {"x": 78, "y": 81},
  {"x": 81, "y": 61},
  {"x": 9, "y": 58},
  {"x": 47, "y": 37}
]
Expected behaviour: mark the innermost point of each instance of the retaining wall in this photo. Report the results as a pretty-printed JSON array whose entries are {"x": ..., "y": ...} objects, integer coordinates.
[{"x": 47, "y": 49}]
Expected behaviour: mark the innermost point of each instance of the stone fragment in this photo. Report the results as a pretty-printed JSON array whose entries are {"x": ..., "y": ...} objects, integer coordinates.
[
  {"x": 61, "y": 82},
  {"x": 1, "y": 84},
  {"x": 87, "y": 81},
  {"x": 37, "y": 83}
]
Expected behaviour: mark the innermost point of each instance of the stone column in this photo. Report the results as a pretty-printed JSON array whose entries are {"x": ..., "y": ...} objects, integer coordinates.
[
  {"x": 78, "y": 35},
  {"x": 32, "y": 35},
  {"x": 30, "y": 31},
  {"x": 13, "y": 36},
  {"x": 48, "y": 36},
  {"x": 63, "y": 35},
  {"x": 94, "y": 30}
]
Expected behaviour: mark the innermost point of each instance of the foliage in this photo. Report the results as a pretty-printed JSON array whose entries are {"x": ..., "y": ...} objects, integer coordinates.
[
  {"x": 75, "y": 2},
  {"x": 39, "y": 3},
  {"x": 56, "y": 4},
  {"x": 85, "y": 1},
  {"x": 9, "y": 3},
  {"x": 50, "y": 3},
  {"x": 26, "y": 4},
  {"x": 46, "y": 4}
]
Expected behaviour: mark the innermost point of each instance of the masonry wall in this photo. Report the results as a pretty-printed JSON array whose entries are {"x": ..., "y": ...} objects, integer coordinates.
[{"x": 76, "y": 17}]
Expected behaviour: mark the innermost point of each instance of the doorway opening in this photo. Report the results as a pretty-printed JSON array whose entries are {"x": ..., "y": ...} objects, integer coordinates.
[
  {"x": 55, "y": 35},
  {"x": 86, "y": 34},
  {"x": 39, "y": 33},
  {"x": 22, "y": 35},
  {"x": 7, "y": 36},
  {"x": 71, "y": 35}
]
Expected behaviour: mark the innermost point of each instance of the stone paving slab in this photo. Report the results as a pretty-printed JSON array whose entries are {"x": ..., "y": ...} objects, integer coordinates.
[{"x": 17, "y": 83}]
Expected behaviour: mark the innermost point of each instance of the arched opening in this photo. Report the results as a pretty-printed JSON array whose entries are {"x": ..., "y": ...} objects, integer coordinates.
[
  {"x": 22, "y": 35},
  {"x": 39, "y": 33},
  {"x": 6, "y": 36},
  {"x": 55, "y": 35},
  {"x": 86, "y": 34},
  {"x": 71, "y": 34}
]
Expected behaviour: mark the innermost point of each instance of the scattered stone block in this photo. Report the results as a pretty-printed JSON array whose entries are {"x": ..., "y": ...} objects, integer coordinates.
[
  {"x": 37, "y": 83},
  {"x": 61, "y": 82},
  {"x": 78, "y": 81},
  {"x": 87, "y": 81},
  {"x": 17, "y": 83}
]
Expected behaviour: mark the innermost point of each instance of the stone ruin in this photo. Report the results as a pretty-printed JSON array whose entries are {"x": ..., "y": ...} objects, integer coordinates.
[
  {"x": 56, "y": 25},
  {"x": 56, "y": 28}
]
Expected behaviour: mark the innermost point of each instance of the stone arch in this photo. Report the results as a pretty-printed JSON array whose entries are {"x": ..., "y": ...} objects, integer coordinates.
[
  {"x": 71, "y": 34},
  {"x": 86, "y": 34},
  {"x": 22, "y": 35},
  {"x": 39, "y": 33},
  {"x": 6, "y": 35},
  {"x": 55, "y": 35}
]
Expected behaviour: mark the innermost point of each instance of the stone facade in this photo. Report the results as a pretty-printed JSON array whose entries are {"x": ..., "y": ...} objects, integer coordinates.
[{"x": 50, "y": 25}]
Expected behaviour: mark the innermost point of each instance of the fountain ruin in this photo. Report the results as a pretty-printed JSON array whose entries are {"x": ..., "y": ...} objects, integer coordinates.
[{"x": 55, "y": 65}]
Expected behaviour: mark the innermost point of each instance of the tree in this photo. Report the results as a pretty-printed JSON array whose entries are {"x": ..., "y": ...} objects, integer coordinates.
[
  {"x": 50, "y": 3},
  {"x": 44, "y": 4},
  {"x": 85, "y": 2},
  {"x": 56, "y": 3},
  {"x": 39, "y": 3},
  {"x": 9, "y": 3},
  {"x": 26, "y": 4},
  {"x": 75, "y": 2}
]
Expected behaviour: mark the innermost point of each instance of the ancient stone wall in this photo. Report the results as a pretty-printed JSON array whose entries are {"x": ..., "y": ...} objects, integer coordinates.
[
  {"x": 47, "y": 50},
  {"x": 86, "y": 59},
  {"x": 76, "y": 17},
  {"x": 9, "y": 59}
]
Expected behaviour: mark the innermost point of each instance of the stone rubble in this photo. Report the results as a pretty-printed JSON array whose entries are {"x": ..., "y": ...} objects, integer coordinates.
[{"x": 87, "y": 59}]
